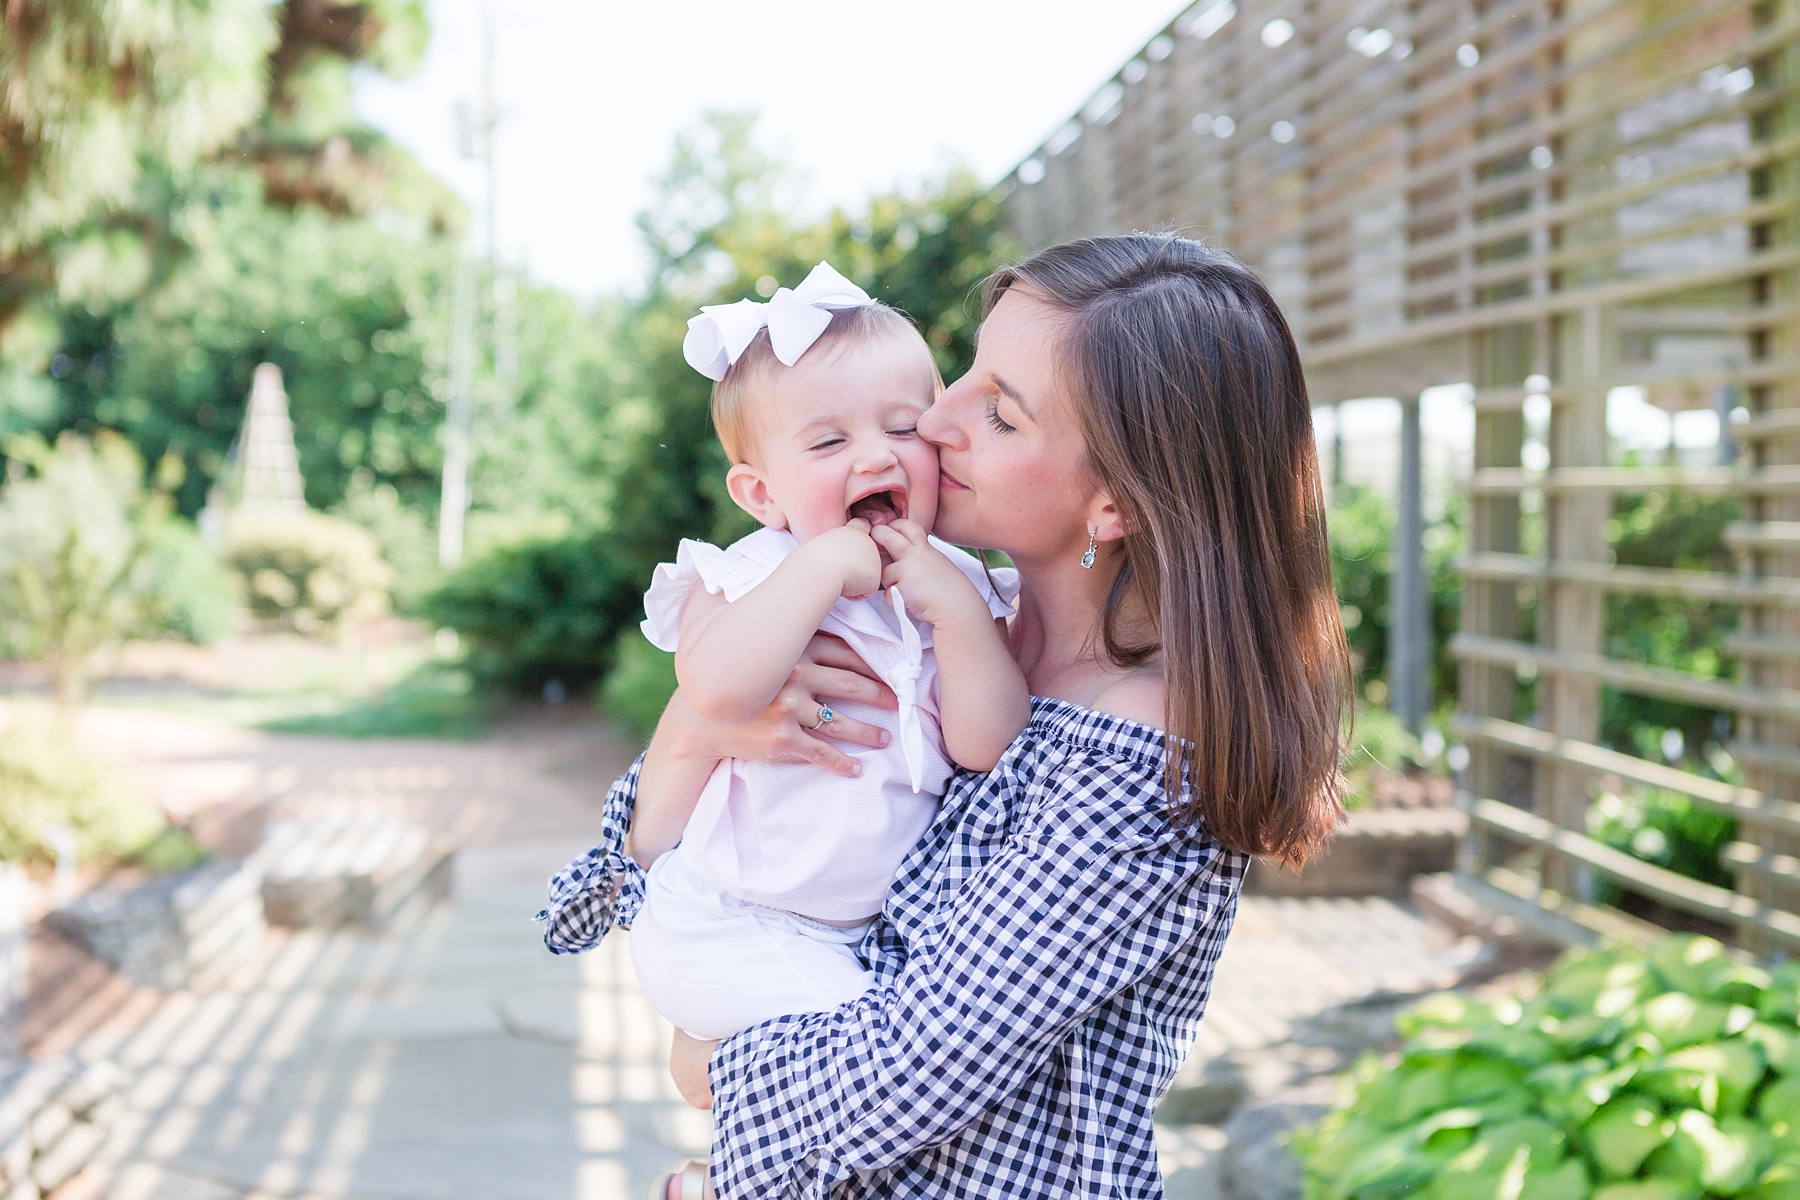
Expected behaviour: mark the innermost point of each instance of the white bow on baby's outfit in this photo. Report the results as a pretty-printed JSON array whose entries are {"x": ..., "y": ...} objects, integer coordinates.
[
  {"x": 904, "y": 679},
  {"x": 795, "y": 319}
]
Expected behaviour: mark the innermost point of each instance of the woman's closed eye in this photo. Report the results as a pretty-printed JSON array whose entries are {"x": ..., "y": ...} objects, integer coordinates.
[{"x": 994, "y": 418}]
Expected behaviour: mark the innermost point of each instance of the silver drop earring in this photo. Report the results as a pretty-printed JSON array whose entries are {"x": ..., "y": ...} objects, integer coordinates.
[{"x": 1087, "y": 559}]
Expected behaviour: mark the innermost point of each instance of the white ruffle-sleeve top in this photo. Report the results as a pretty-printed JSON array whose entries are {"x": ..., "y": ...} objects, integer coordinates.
[{"x": 794, "y": 836}]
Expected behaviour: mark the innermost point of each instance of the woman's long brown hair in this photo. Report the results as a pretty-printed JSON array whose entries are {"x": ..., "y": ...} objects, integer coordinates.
[{"x": 1194, "y": 409}]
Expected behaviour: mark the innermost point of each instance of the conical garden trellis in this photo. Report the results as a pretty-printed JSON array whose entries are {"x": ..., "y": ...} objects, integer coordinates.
[
  {"x": 271, "y": 481},
  {"x": 262, "y": 476}
]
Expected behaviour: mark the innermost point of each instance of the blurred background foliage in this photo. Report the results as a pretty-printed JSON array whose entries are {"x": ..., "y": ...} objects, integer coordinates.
[
  {"x": 1669, "y": 529},
  {"x": 89, "y": 558},
  {"x": 1362, "y": 522},
  {"x": 186, "y": 192},
  {"x": 113, "y": 115},
  {"x": 235, "y": 210}
]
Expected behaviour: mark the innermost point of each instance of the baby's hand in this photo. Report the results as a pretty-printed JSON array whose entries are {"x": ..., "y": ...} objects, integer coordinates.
[
  {"x": 850, "y": 553},
  {"x": 934, "y": 589}
]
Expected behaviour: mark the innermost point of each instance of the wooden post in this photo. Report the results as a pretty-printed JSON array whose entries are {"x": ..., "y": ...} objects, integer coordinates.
[
  {"x": 1573, "y": 615},
  {"x": 1491, "y": 607}
]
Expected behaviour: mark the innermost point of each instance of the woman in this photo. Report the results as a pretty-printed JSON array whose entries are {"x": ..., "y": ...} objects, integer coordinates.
[{"x": 1135, "y": 435}]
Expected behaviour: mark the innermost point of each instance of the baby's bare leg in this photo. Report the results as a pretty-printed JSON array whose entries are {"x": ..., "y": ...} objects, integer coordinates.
[{"x": 688, "y": 1059}]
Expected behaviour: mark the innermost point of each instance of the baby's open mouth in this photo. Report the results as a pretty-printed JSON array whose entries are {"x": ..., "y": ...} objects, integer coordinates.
[{"x": 880, "y": 508}]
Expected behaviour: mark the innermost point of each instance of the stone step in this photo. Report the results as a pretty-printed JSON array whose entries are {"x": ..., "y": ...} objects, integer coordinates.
[
  {"x": 172, "y": 929},
  {"x": 55, "y": 1115},
  {"x": 1378, "y": 852},
  {"x": 352, "y": 869}
]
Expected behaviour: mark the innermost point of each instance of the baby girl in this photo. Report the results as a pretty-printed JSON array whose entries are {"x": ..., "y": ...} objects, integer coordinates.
[{"x": 817, "y": 398}]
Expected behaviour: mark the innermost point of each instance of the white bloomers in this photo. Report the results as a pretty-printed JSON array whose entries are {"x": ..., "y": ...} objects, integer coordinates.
[{"x": 714, "y": 965}]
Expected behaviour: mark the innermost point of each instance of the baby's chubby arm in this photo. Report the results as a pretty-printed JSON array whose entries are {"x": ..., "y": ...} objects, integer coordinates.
[
  {"x": 984, "y": 702},
  {"x": 734, "y": 657},
  {"x": 682, "y": 755}
]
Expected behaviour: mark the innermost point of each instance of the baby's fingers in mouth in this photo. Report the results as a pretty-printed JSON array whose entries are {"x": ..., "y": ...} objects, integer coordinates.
[{"x": 881, "y": 508}]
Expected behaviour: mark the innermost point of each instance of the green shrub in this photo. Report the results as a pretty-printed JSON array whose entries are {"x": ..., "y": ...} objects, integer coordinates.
[
  {"x": 80, "y": 539},
  {"x": 538, "y": 610},
  {"x": 1672, "y": 1073},
  {"x": 1687, "y": 532},
  {"x": 1667, "y": 829},
  {"x": 1379, "y": 745},
  {"x": 405, "y": 535},
  {"x": 640, "y": 684},
  {"x": 307, "y": 572},
  {"x": 45, "y": 783},
  {"x": 190, "y": 590},
  {"x": 1361, "y": 524}
]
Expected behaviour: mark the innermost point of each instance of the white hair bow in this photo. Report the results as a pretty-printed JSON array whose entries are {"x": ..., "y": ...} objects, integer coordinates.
[{"x": 795, "y": 319}]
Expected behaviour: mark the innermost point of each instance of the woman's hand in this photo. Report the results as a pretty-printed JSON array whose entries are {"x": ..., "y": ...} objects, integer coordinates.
[
  {"x": 785, "y": 732},
  {"x": 688, "y": 1060}
]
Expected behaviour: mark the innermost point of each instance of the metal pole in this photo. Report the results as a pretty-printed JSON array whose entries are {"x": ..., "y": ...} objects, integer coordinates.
[
  {"x": 454, "y": 502},
  {"x": 1336, "y": 494},
  {"x": 505, "y": 350},
  {"x": 485, "y": 144},
  {"x": 1724, "y": 400},
  {"x": 475, "y": 135},
  {"x": 1410, "y": 635}
]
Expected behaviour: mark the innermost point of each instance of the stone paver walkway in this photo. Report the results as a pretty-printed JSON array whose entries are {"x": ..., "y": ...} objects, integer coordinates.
[
  {"x": 451, "y": 1058},
  {"x": 1289, "y": 959}
]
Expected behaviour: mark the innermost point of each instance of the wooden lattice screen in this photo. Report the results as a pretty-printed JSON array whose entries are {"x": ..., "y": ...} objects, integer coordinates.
[{"x": 1545, "y": 199}]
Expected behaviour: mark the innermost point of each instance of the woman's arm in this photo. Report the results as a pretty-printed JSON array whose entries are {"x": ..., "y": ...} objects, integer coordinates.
[
  {"x": 735, "y": 657},
  {"x": 1069, "y": 914}
]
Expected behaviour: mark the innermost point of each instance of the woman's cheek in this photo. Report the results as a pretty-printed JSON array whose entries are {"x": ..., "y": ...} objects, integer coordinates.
[
  {"x": 922, "y": 484},
  {"x": 965, "y": 521}
]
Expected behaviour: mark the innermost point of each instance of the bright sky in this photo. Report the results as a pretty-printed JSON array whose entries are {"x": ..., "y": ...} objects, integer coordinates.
[{"x": 861, "y": 97}]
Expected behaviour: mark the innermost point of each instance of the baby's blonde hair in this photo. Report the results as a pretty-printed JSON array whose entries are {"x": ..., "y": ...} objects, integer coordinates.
[{"x": 733, "y": 397}]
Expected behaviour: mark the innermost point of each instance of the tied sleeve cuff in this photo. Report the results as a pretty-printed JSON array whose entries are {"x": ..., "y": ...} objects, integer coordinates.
[{"x": 602, "y": 889}]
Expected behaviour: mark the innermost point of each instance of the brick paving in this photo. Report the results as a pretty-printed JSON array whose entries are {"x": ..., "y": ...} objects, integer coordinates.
[{"x": 450, "y": 1057}]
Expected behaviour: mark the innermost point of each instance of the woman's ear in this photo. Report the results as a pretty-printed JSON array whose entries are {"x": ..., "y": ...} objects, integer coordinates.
[
  {"x": 1105, "y": 519},
  {"x": 750, "y": 492}
]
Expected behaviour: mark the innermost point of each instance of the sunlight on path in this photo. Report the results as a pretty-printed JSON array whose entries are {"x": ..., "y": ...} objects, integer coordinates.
[{"x": 450, "y": 1057}]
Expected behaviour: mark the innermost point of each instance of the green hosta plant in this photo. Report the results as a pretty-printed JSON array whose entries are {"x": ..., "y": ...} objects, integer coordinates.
[{"x": 1672, "y": 1074}]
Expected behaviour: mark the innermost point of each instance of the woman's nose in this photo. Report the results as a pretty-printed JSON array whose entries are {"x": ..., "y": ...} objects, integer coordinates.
[{"x": 940, "y": 424}]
